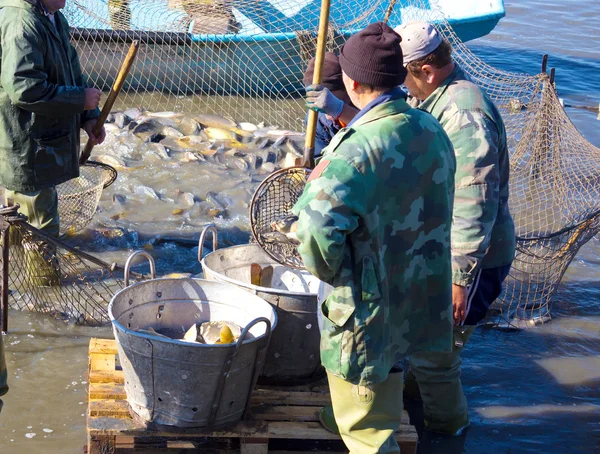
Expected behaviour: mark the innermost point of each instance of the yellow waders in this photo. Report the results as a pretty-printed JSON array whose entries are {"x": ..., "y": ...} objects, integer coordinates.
[
  {"x": 368, "y": 416},
  {"x": 41, "y": 209}
]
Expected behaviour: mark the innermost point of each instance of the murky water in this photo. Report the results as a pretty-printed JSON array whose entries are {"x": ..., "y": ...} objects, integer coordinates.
[{"x": 529, "y": 392}]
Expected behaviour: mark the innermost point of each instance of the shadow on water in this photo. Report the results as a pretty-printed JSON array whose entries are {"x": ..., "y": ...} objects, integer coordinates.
[{"x": 531, "y": 391}]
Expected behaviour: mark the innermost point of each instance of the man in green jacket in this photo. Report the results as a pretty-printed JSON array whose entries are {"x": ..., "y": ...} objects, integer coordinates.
[
  {"x": 44, "y": 101},
  {"x": 374, "y": 222},
  {"x": 483, "y": 232}
]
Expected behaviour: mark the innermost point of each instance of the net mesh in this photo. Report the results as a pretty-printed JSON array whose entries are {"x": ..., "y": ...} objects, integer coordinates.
[
  {"x": 555, "y": 196},
  {"x": 47, "y": 276},
  {"x": 244, "y": 59},
  {"x": 273, "y": 200},
  {"x": 78, "y": 198}
]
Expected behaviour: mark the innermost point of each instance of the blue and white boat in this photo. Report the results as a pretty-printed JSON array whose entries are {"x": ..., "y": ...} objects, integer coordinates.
[{"x": 264, "y": 57}]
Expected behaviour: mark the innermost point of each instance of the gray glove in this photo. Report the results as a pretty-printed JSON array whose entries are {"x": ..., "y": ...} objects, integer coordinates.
[{"x": 320, "y": 99}]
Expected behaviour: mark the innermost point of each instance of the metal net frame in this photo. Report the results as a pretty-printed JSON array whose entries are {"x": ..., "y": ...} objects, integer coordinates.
[{"x": 273, "y": 200}]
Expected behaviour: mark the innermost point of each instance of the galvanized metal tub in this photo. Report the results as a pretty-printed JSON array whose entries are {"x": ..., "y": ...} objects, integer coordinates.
[
  {"x": 293, "y": 355},
  {"x": 176, "y": 383}
]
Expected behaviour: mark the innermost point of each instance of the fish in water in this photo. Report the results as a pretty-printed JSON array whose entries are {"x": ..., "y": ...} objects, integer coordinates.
[
  {"x": 170, "y": 131},
  {"x": 132, "y": 114},
  {"x": 215, "y": 121},
  {"x": 249, "y": 127},
  {"x": 113, "y": 161},
  {"x": 149, "y": 131},
  {"x": 213, "y": 198},
  {"x": 157, "y": 150},
  {"x": 147, "y": 192},
  {"x": 220, "y": 134},
  {"x": 189, "y": 127}
]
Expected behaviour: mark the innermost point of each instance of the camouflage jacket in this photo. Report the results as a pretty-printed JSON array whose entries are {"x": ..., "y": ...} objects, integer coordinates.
[
  {"x": 483, "y": 232},
  {"x": 42, "y": 96},
  {"x": 374, "y": 222}
]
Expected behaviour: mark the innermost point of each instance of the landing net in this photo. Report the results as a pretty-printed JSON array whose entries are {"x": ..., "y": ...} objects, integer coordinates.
[
  {"x": 48, "y": 277},
  {"x": 78, "y": 198}
]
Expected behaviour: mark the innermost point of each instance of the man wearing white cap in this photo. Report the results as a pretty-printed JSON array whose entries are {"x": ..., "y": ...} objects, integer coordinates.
[{"x": 483, "y": 234}]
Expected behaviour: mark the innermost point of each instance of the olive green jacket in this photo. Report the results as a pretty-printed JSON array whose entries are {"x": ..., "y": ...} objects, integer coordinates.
[
  {"x": 483, "y": 232},
  {"x": 42, "y": 95},
  {"x": 374, "y": 222}
]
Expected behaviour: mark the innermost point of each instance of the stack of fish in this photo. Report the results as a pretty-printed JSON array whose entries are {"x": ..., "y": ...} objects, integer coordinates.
[
  {"x": 212, "y": 332},
  {"x": 202, "y": 137}
]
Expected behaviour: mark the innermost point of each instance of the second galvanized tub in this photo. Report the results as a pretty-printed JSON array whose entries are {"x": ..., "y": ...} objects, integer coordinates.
[
  {"x": 293, "y": 354},
  {"x": 177, "y": 383}
]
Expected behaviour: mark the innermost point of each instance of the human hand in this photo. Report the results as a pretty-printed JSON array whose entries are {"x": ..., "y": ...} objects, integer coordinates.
[
  {"x": 93, "y": 139},
  {"x": 88, "y": 127},
  {"x": 320, "y": 99},
  {"x": 92, "y": 98},
  {"x": 459, "y": 303}
]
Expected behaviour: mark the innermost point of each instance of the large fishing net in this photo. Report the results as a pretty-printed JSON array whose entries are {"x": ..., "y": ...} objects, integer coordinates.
[
  {"x": 47, "y": 276},
  {"x": 244, "y": 59},
  {"x": 555, "y": 191}
]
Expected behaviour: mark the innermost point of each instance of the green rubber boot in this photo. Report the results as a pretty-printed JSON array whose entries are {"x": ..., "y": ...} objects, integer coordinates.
[{"x": 328, "y": 419}]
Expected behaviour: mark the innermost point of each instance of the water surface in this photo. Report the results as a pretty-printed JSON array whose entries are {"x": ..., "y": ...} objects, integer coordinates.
[{"x": 529, "y": 392}]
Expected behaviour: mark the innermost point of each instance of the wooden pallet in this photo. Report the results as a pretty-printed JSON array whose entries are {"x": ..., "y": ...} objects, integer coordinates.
[{"x": 275, "y": 413}]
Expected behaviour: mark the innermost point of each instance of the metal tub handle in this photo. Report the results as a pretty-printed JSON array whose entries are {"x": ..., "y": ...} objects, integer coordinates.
[
  {"x": 227, "y": 366},
  {"x": 215, "y": 235},
  {"x": 130, "y": 259}
]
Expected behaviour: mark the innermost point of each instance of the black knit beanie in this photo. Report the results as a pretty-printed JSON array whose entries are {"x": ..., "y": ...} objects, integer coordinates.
[
  {"x": 373, "y": 57},
  {"x": 331, "y": 75}
]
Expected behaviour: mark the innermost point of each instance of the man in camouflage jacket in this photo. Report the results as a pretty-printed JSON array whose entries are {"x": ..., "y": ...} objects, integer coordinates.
[
  {"x": 483, "y": 233},
  {"x": 374, "y": 222}
]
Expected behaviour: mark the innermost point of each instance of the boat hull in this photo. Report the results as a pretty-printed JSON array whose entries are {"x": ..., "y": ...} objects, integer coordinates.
[{"x": 265, "y": 62}]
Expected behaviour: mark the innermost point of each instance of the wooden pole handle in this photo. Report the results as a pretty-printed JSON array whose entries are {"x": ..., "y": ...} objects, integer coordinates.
[
  {"x": 389, "y": 11},
  {"x": 311, "y": 124},
  {"x": 112, "y": 97}
]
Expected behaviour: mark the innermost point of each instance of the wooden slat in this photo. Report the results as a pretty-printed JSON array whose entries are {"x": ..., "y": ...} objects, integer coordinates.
[
  {"x": 109, "y": 408},
  {"x": 294, "y": 413},
  {"x": 282, "y": 413},
  {"x": 107, "y": 391},
  {"x": 272, "y": 429},
  {"x": 267, "y": 396},
  {"x": 102, "y": 346},
  {"x": 105, "y": 376}
]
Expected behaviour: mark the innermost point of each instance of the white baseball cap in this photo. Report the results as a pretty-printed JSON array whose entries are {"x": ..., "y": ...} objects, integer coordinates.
[{"x": 418, "y": 40}]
